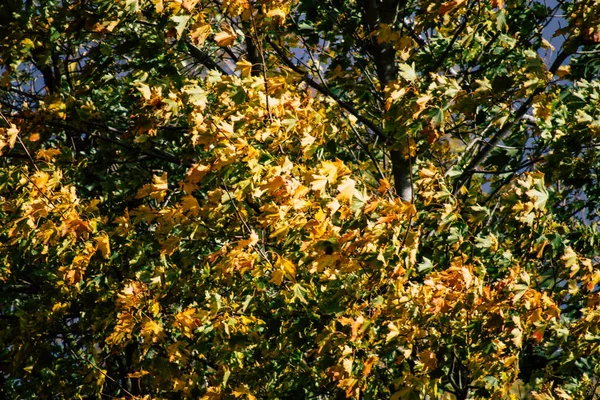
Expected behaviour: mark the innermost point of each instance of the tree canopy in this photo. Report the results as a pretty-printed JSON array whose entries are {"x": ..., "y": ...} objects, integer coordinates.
[{"x": 299, "y": 199}]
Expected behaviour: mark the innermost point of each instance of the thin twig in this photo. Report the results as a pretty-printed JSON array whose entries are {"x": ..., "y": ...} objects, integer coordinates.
[
  {"x": 103, "y": 373},
  {"x": 264, "y": 64},
  {"x": 241, "y": 218},
  {"x": 323, "y": 90}
]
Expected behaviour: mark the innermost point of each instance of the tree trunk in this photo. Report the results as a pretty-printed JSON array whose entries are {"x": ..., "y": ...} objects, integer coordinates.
[{"x": 384, "y": 56}]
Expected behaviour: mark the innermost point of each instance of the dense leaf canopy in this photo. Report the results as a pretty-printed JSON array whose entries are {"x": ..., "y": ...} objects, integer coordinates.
[{"x": 299, "y": 199}]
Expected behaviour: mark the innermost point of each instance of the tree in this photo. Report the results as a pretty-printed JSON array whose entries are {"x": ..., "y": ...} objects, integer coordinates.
[{"x": 299, "y": 199}]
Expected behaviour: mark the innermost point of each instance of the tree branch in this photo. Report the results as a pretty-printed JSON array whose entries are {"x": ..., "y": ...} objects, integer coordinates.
[
  {"x": 323, "y": 90},
  {"x": 505, "y": 129}
]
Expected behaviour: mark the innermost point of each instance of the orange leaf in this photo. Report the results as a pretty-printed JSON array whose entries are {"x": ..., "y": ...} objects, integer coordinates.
[
  {"x": 449, "y": 6},
  {"x": 225, "y": 38}
]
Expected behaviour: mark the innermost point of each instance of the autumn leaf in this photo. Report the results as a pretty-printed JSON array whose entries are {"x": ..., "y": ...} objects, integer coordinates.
[
  {"x": 287, "y": 266},
  {"x": 8, "y": 137},
  {"x": 449, "y": 6},
  {"x": 319, "y": 182},
  {"x": 277, "y": 276},
  {"x": 103, "y": 245},
  {"x": 408, "y": 72},
  {"x": 47, "y": 154},
  {"x": 250, "y": 242},
  {"x": 156, "y": 190},
  {"x": 284, "y": 199},
  {"x": 277, "y": 14},
  {"x": 346, "y": 190},
  {"x": 428, "y": 359},
  {"x": 226, "y": 37},
  {"x": 245, "y": 67}
]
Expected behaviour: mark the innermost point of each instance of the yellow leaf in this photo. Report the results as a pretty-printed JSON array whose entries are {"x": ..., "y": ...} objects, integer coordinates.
[
  {"x": 329, "y": 170},
  {"x": 58, "y": 108},
  {"x": 428, "y": 359},
  {"x": 226, "y": 129},
  {"x": 193, "y": 176},
  {"x": 156, "y": 190},
  {"x": 563, "y": 70},
  {"x": 318, "y": 182},
  {"x": 8, "y": 136},
  {"x": 144, "y": 90},
  {"x": 189, "y": 5},
  {"x": 187, "y": 320},
  {"x": 547, "y": 45},
  {"x": 212, "y": 393},
  {"x": 199, "y": 32},
  {"x": 137, "y": 374},
  {"x": 251, "y": 241},
  {"x": 243, "y": 390},
  {"x": 307, "y": 140},
  {"x": 277, "y": 14},
  {"x": 287, "y": 266},
  {"x": 103, "y": 245},
  {"x": 245, "y": 67},
  {"x": 152, "y": 331},
  {"x": 346, "y": 190},
  {"x": 570, "y": 257},
  {"x": 277, "y": 277},
  {"x": 517, "y": 339},
  {"x": 484, "y": 85},
  {"x": 273, "y": 184},
  {"x": 560, "y": 392},
  {"x": 74, "y": 224},
  {"x": 225, "y": 38},
  {"x": 368, "y": 365},
  {"x": 47, "y": 154},
  {"x": 384, "y": 186},
  {"x": 177, "y": 352},
  {"x": 467, "y": 277},
  {"x": 190, "y": 204},
  {"x": 393, "y": 331},
  {"x": 333, "y": 205},
  {"x": 158, "y": 6}
]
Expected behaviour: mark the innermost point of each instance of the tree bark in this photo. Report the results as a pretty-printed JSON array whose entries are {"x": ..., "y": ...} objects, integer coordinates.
[{"x": 384, "y": 55}]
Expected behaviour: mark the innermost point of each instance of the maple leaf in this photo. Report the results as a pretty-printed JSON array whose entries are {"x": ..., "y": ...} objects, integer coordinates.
[
  {"x": 243, "y": 390},
  {"x": 346, "y": 189},
  {"x": 8, "y": 136},
  {"x": 73, "y": 224},
  {"x": 277, "y": 14},
  {"x": 226, "y": 37},
  {"x": 449, "y": 6},
  {"x": 245, "y": 67},
  {"x": 190, "y": 205},
  {"x": 287, "y": 266},
  {"x": 103, "y": 245},
  {"x": 250, "y": 242},
  {"x": 152, "y": 331},
  {"x": 277, "y": 276},
  {"x": 156, "y": 190},
  {"x": 280, "y": 243},
  {"x": 319, "y": 182},
  {"x": 193, "y": 176},
  {"x": 428, "y": 359},
  {"x": 47, "y": 154}
]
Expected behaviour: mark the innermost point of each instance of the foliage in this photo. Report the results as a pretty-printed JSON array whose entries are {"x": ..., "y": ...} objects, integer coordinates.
[{"x": 299, "y": 199}]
